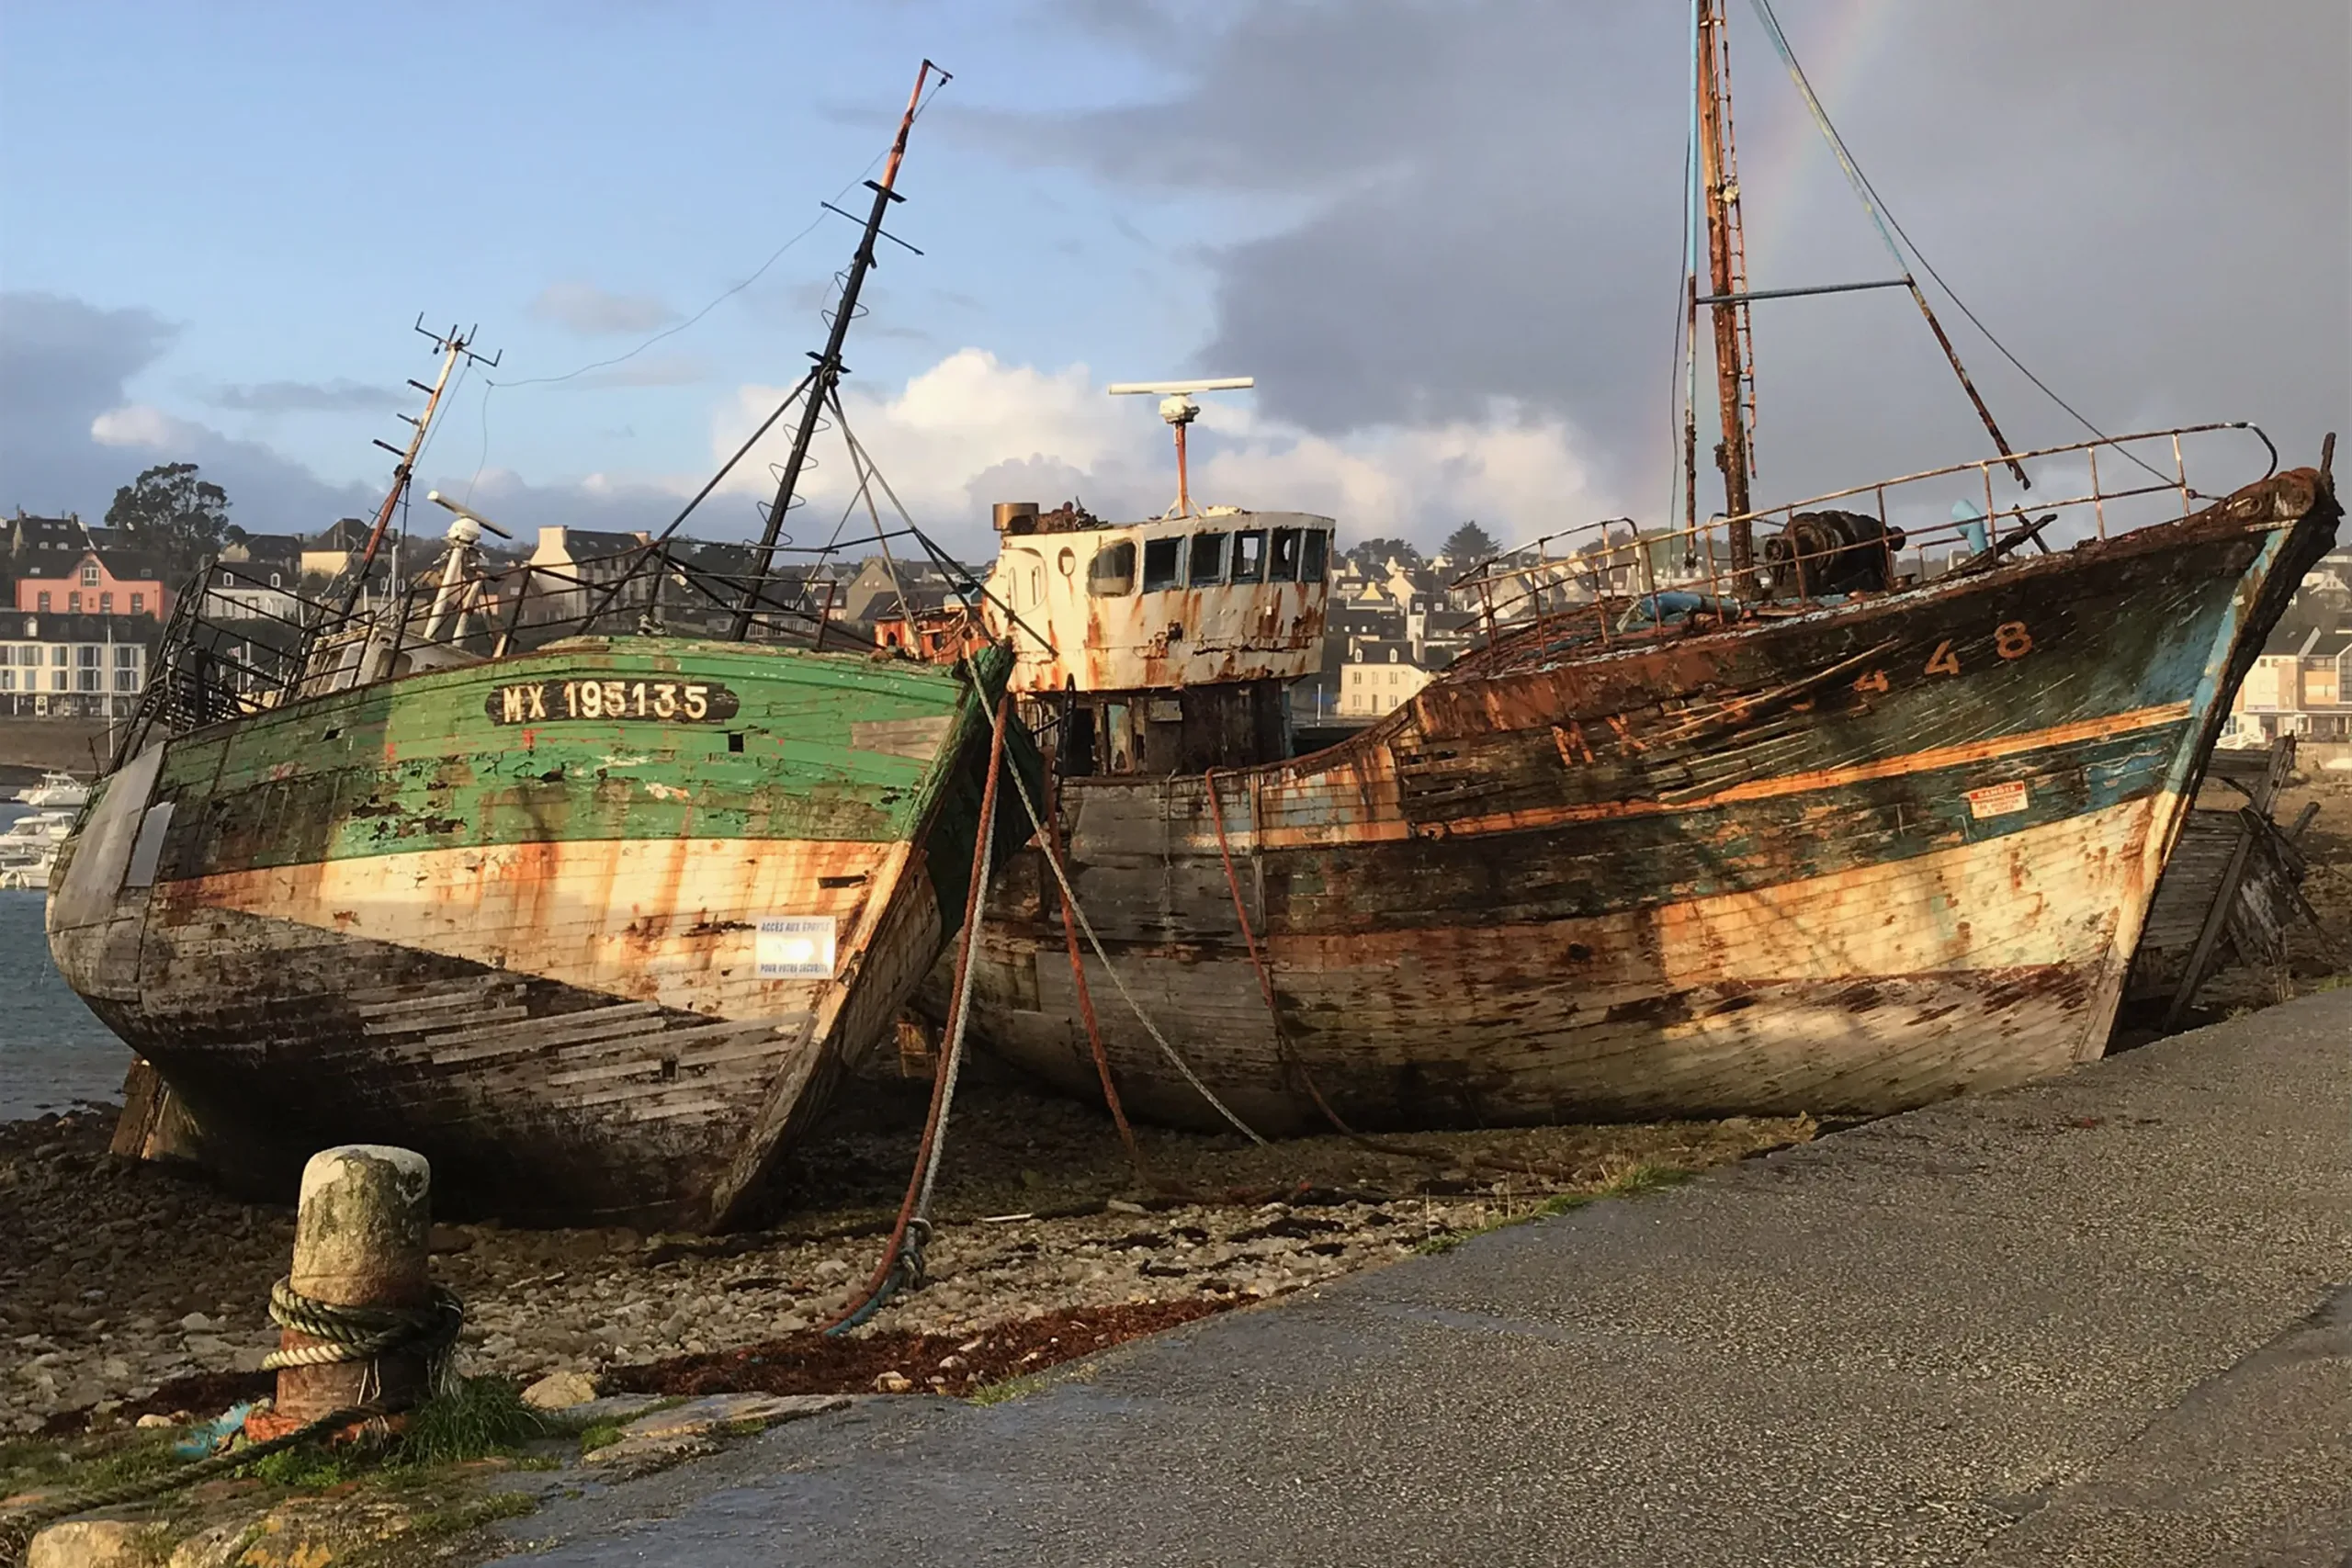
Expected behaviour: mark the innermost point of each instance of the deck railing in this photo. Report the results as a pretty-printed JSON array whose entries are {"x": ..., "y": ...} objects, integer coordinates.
[{"x": 1611, "y": 580}]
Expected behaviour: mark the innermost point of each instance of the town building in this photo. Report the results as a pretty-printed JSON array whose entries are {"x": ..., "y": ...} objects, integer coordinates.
[
  {"x": 69, "y": 665},
  {"x": 1378, "y": 675},
  {"x": 875, "y": 594},
  {"x": 2300, "y": 685},
  {"x": 257, "y": 577},
  {"x": 575, "y": 570},
  {"x": 91, "y": 582}
]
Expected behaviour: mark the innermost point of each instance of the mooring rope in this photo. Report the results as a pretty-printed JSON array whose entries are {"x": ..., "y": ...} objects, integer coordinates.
[
  {"x": 1298, "y": 1063},
  {"x": 1050, "y": 836},
  {"x": 1069, "y": 902},
  {"x": 902, "y": 1260},
  {"x": 348, "y": 1334},
  {"x": 17, "y": 1527}
]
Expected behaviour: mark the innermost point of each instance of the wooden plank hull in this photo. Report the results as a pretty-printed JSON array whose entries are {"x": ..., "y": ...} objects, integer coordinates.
[
  {"x": 1848, "y": 861},
  {"x": 526, "y": 941}
]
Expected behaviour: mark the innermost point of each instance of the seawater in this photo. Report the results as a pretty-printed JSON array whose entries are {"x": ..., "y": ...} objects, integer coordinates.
[{"x": 54, "y": 1054}]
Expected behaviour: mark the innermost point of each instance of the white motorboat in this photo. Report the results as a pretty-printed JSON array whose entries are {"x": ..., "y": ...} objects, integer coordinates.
[
  {"x": 56, "y": 789},
  {"x": 34, "y": 836},
  {"x": 31, "y": 872}
]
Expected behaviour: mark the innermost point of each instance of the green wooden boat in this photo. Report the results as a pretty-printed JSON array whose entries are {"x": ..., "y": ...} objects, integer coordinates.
[
  {"x": 593, "y": 927},
  {"x": 500, "y": 864}
]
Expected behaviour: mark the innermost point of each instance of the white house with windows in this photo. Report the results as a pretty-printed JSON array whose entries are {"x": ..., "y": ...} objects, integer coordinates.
[
  {"x": 70, "y": 666},
  {"x": 1378, "y": 675},
  {"x": 257, "y": 578}
]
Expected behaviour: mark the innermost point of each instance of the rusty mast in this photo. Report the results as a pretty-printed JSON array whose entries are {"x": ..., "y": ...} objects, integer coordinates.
[
  {"x": 818, "y": 390},
  {"x": 1726, "y": 273}
]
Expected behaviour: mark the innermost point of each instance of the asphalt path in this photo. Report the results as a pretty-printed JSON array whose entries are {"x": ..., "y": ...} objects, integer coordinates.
[{"x": 2100, "y": 1320}]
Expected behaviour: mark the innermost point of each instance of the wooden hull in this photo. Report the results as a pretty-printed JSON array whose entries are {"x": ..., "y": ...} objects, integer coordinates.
[
  {"x": 523, "y": 940},
  {"x": 1848, "y": 861}
]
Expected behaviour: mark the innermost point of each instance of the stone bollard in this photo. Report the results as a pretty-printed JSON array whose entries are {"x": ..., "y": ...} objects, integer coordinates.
[{"x": 359, "y": 1241}]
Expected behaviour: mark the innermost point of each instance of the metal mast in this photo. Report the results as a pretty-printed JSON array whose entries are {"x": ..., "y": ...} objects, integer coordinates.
[
  {"x": 453, "y": 346},
  {"x": 1726, "y": 269},
  {"x": 818, "y": 390}
]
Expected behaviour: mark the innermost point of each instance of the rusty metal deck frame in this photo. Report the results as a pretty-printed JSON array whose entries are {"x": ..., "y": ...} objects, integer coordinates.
[{"x": 1707, "y": 544}]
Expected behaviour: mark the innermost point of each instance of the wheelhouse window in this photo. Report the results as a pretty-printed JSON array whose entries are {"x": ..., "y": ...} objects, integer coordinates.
[
  {"x": 1208, "y": 559},
  {"x": 1112, "y": 573},
  {"x": 1249, "y": 556},
  {"x": 1313, "y": 558},
  {"x": 1285, "y": 562},
  {"x": 1163, "y": 564}
]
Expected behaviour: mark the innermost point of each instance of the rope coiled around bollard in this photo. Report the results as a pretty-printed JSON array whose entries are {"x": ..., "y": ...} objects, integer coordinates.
[{"x": 358, "y": 1332}]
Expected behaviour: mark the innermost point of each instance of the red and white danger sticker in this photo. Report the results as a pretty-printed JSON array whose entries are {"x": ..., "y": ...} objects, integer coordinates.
[{"x": 1996, "y": 800}]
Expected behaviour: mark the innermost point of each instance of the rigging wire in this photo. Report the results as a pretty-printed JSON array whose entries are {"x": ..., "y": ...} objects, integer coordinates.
[
  {"x": 490, "y": 387},
  {"x": 1876, "y": 205}
]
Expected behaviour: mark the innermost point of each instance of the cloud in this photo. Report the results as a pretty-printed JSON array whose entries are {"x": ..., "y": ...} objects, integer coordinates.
[
  {"x": 304, "y": 397},
  {"x": 591, "y": 312},
  {"x": 620, "y": 504},
  {"x": 71, "y": 434},
  {"x": 62, "y": 363},
  {"x": 2161, "y": 247},
  {"x": 141, "y": 424},
  {"x": 973, "y": 430}
]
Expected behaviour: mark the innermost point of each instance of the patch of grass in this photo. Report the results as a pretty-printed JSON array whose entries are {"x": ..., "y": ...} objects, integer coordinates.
[
  {"x": 305, "y": 1468},
  {"x": 1646, "y": 1177},
  {"x": 479, "y": 1418},
  {"x": 1010, "y": 1389},
  {"x": 472, "y": 1513},
  {"x": 108, "y": 1460},
  {"x": 1632, "y": 1182},
  {"x": 599, "y": 1434}
]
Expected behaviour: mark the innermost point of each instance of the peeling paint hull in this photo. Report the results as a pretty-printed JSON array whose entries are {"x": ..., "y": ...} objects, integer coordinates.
[
  {"x": 522, "y": 940},
  {"x": 1848, "y": 860}
]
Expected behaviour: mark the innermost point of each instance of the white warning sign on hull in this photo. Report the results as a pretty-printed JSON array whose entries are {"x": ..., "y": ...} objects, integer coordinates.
[
  {"x": 1997, "y": 800},
  {"x": 795, "y": 947}
]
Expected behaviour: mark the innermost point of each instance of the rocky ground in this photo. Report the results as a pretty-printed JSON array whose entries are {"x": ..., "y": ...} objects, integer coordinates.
[{"x": 121, "y": 1283}]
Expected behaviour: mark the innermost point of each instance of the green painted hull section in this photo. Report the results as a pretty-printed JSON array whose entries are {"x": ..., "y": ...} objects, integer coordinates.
[{"x": 418, "y": 763}]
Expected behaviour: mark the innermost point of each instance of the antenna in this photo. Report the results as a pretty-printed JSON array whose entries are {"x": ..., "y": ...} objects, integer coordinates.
[
  {"x": 451, "y": 345},
  {"x": 466, "y": 513},
  {"x": 1178, "y": 410}
]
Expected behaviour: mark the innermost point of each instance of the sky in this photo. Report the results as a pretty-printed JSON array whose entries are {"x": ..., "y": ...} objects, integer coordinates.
[{"x": 1446, "y": 238}]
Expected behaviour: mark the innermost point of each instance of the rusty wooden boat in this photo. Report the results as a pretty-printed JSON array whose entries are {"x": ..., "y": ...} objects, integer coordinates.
[
  {"x": 586, "y": 883},
  {"x": 1837, "y": 806},
  {"x": 1845, "y": 856}
]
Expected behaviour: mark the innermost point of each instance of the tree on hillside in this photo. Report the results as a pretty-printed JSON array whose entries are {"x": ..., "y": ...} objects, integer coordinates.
[
  {"x": 1372, "y": 556},
  {"x": 1470, "y": 543},
  {"x": 173, "y": 514}
]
